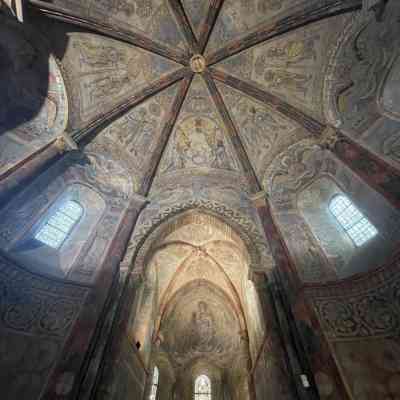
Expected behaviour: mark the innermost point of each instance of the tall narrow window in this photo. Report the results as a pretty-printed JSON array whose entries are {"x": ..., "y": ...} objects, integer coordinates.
[
  {"x": 352, "y": 220},
  {"x": 202, "y": 388},
  {"x": 154, "y": 384},
  {"x": 60, "y": 224}
]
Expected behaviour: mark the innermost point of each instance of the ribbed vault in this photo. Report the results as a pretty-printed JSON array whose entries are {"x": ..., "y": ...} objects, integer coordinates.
[{"x": 198, "y": 86}]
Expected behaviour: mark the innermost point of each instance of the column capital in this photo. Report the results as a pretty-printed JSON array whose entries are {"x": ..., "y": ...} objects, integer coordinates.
[
  {"x": 329, "y": 138},
  {"x": 65, "y": 143}
]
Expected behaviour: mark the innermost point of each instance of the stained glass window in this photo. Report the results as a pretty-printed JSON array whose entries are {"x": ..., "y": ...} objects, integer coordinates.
[
  {"x": 202, "y": 388},
  {"x": 352, "y": 220},
  {"x": 154, "y": 384},
  {"x": 60, "y": 224}
]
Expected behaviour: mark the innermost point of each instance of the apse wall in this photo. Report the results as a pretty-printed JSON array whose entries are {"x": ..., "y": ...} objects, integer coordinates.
[
  {"x": 57, "y": 296},
  {"x": 302, "y": 183}
]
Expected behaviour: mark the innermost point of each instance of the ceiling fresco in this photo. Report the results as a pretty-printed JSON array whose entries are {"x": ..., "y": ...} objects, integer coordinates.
[
  {"x": 248, "y": 82},
  {"x": 104, "y": 72},
  {"x": 291, "y": 66},
  {"x": 200, "y": 247},
  {"x": 198, "y": 275},
  {"x": 151, "y": 18},
  {"x": 264, "y": 132},
  {"x": 137, "y": 132},
  {"x": 240, "y": 17},
  {"x": 197, "y": 12},
  {"x": 199, "y": 138}
]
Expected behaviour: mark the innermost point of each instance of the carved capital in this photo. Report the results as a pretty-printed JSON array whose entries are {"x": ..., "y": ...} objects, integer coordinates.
[
  {"x": 329, "y": 138},
  {"x": 65, "y": 143}
]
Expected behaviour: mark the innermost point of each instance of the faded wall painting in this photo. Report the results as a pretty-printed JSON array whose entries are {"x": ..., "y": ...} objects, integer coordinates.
[
  {"x": 340, "y": 250},
  {"x": 135, "y": 136},
  {"x": 197, "y": 11},
  {"x": 390, "y": 99},
  {"x": 357, "y": 69},
  {"x": 383, "y": 138},
  {"x": 311, "y": 262},
  {"x": 291, "y": 171},
  {"x": 291, "y": 66},
  {"x": 199, "y": 139},
  {"x": 264, "y": 132},
  {"x": 37, "y": 315},
  {"x": 361, "y": 320},
  {"x": 240, "y": 17},
  {"x": 371, "y": 367},
  {"x": 33, "y": 103},
  {"x": 202, "y": 326},
  {"x": 105, "y": 72},
  {"x": 150, "y": 18}
]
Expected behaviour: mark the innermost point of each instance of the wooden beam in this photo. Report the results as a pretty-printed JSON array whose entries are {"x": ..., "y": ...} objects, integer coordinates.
[
  {"x": 305, "y": 15},
  {"x": 133, "y": 38},
  {"x": 209, "y": 23},
  {"x": 184, "y": 23},
  {"x": 234, "y": 136},
  {"x": 310, "y": 124},
  {"x": 165, "y": 136}
]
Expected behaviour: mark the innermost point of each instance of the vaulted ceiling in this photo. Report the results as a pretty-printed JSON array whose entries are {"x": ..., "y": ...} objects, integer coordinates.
[{"x": 188, "y": 88}]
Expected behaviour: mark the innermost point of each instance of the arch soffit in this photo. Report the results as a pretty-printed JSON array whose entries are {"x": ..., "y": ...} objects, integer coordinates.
[
  {"x": 147, "y": 236},
  {"x": 169, "y": 292}
]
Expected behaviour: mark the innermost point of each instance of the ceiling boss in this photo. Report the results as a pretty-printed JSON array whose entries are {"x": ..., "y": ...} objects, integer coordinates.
[{"x": 198, "y": 63}]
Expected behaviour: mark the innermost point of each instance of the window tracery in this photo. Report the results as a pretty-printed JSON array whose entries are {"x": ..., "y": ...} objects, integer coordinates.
[
  {"x": 202, "y": 388},
  {"x": 154, "y": 384},
  {"x": 60, "y": 224},
  {"x": 356, "y": 225}
]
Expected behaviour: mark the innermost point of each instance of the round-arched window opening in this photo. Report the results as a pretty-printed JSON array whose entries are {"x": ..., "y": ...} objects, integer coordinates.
[
  {"x": 202, "y": 388},
  {"x": 352, "y": 220}
]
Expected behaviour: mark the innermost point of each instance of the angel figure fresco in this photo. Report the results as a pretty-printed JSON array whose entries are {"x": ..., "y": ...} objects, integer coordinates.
[
  {"x": 136, "y": 132},
  {"x": 259, "y": 128},
  {"x": 292, "y": 81},
  {"x": 294, "y": 51},
  {"x": 106, "y": 86},
  {"x": 96, "y": 56}
]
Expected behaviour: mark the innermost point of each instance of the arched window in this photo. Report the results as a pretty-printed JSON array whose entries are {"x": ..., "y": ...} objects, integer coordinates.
[
  {"x": 202, "y": 388},
  {"x": 154, "y": 384},
  {"x": 352, "y": 220},
  {"x": 60, "y": 224}
]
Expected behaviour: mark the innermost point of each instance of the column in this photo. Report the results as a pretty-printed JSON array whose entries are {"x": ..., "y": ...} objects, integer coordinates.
[
  {"x": 79, "y": 362},
  {"x": 281, "y": 376},
  {"x": 292, "y": 310},
  {"x": 283, "y": 287},
  {"x": 374, "y": 171}
]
